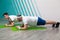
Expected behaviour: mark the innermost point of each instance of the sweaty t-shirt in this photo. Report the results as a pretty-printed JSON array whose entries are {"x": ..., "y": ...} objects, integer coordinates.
[{"x": 30, "y": 20}]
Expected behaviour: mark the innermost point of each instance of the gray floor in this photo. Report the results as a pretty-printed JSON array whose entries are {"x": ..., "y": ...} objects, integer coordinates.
[{"x": 48, "y": 34}]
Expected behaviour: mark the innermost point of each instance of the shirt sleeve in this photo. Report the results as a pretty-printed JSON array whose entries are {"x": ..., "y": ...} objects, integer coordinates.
[{"x": 10, "y": 20}]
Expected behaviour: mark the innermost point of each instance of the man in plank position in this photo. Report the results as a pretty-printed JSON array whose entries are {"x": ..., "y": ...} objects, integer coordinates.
[{"x": 28, "y": 20}]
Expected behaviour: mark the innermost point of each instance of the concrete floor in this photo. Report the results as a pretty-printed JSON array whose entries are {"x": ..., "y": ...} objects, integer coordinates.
[{"x": 48, "y": 34}]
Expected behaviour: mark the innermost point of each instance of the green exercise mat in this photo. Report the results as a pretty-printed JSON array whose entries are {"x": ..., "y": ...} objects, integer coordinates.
[
  {"x": 29, "y": 28},
  {"x": 2, "y": 26}
]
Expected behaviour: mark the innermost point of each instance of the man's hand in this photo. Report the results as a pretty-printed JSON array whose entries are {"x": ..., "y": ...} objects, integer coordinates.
[
  {"x": 23, "y": 28},
  {"x": 18, "y": 27},
  {"x": 6, "y": 25},
  {"x": 10, "y": 25}
]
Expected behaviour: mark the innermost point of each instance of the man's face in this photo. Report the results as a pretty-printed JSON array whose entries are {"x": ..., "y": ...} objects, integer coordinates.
[
  {"x": 6, "y": 16},
  {"x": 19, "y": 19}
]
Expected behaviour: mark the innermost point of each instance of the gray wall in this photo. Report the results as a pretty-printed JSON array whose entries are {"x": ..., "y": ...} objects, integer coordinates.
[{"x": 49, "y": 9}]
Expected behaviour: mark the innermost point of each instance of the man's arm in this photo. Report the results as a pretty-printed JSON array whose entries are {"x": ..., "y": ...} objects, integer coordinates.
[
  {"x": 25, "y": 26},
  {"x": 11, "y": 23}
]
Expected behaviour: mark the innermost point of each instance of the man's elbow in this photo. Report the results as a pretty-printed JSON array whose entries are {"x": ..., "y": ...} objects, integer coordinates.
[
  {"x": 12, "y": 25},
  {"x": 24, "y": 28}
]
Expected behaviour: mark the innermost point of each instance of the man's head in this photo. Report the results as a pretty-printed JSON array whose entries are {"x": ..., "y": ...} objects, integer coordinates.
[
  {"x": 6, "y": 15},
  {"x": 19, "y": 17}
]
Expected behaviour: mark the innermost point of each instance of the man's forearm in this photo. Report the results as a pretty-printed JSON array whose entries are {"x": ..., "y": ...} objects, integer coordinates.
[
  {"x": 9, "y": 24},
  {"x": 22, "y": 28}
]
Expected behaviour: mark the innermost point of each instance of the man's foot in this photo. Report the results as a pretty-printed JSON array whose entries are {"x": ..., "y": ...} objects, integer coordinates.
[
  {"x": 53, "y": 25},
  {"x": 57, "y": 25}
]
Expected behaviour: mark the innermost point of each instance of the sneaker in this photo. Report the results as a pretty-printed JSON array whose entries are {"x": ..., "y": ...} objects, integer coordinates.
[
  {"x": 53, "y": 25},
  {"x": 57, "y": 25}
]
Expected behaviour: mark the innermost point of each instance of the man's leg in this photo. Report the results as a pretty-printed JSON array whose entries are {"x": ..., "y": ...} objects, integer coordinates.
[
  {"x": 43, "y": 22},
  {"x": 50, "y": 22},
  {"x": 53, "y": 22}
]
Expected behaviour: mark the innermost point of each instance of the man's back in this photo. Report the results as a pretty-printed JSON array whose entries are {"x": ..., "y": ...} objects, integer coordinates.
[{"x": 30, "y": 20}]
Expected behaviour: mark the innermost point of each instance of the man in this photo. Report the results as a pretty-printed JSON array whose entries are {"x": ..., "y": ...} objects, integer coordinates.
[
  {"x": 11, "y": 19},
  {"x": 28, "y": 20}
]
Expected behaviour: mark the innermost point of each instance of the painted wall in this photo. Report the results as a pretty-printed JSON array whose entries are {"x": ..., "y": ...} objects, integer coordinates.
[
  {"x": 6, "y": 6},
  {"x": 47, "y": 9},
  {"x": 23, "y": 7}
]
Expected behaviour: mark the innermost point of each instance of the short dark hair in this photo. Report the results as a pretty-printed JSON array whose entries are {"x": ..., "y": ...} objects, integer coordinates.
[
  {"x": 5, "y": 13},
  {"x": 18, "y": 15}
]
